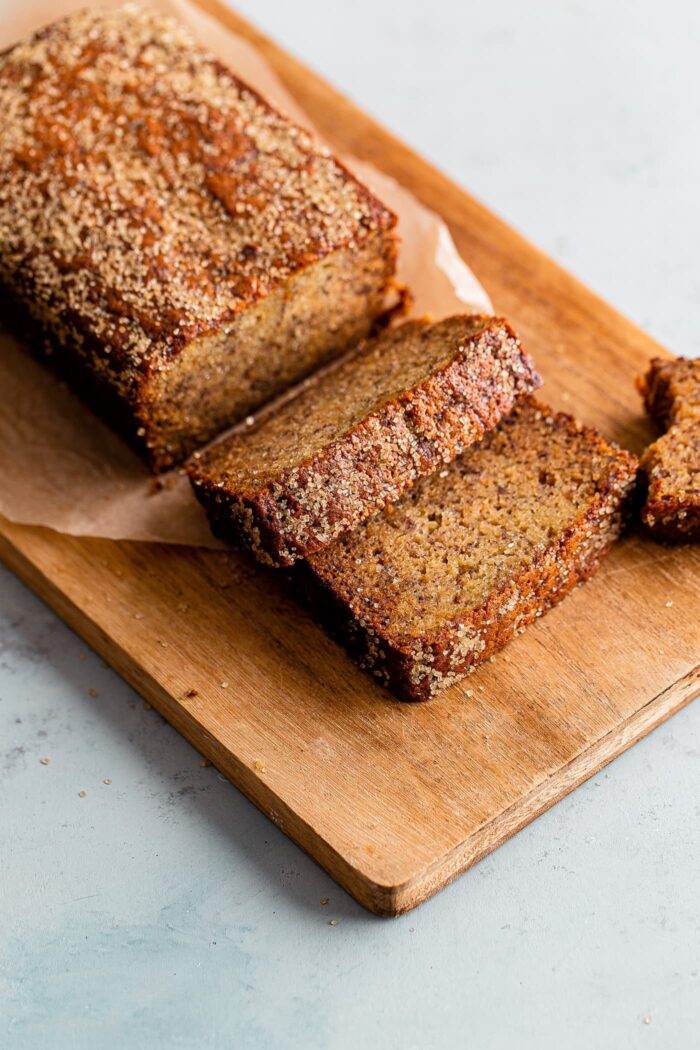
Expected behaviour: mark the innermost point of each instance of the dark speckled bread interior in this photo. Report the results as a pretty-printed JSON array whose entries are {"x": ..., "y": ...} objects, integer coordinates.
[
  {"x": 671, "y": 391},
  {"x": 355, "y": 438},
  {"x": 427, "y": 589}
]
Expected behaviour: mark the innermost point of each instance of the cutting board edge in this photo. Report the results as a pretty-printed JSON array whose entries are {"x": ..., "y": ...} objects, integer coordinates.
[
  {"x": 241, "y": 776},
  {"x": 545, "y": 795},
  {"x": 389, "y": 900}
]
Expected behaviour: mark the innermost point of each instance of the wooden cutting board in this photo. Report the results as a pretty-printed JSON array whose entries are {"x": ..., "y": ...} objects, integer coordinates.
[{"x": 396, "y": 800}]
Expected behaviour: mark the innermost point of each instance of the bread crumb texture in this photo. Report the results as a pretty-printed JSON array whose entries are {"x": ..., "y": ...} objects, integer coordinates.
[
  {"x": 465, "y": 561},
  {"x": 355, "y": 438},
  {"x": 671, "y": 392}
]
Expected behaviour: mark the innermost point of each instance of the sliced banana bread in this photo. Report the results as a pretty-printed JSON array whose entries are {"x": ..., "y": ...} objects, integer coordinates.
[
  {"x": 181, "y": 250},
  {"x": 430, "y": 587},
  {"x": 671, "y": 392},
  {"x": 353, "y": 439}
]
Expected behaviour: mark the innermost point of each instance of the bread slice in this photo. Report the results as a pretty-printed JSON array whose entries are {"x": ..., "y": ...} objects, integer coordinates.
[
  {"x": 180, "y": 250},
  {"x": 429, "y": 588},
  {"x": 671, "y": 392},
  {"x": 356, "y": 437}
]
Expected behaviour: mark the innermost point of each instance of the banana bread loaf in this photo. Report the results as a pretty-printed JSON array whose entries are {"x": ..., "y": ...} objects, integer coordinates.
[
  {"x": 671, "y": 392},
  {"x": 356, "y": 437},
  {"x": 181, "y": 250},
  {"x": 430, "y": 587}
]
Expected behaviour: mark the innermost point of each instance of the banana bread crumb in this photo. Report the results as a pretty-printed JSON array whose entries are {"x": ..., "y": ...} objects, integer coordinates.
[
  {"x": 354, "y": 439},
  {"x": 671, "y": 392},
  {"x": 464, "y": 563}
]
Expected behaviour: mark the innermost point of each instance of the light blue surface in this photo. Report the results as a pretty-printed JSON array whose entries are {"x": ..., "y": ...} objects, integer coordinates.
[{"x": 162, "y": 910}]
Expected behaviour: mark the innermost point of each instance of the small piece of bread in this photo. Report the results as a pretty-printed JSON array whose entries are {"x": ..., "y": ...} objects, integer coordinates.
[
  {"x": 355, "y": 438},
  {"x": 671, "y": 392},
  {"x": 429, "y": 588}
]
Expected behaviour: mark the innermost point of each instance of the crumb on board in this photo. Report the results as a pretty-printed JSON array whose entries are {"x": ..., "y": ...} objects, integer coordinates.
[
  {"x": 191, "y": 693},
  {"x": 225, "y": 684},
  {"x": 138, "y": 616},
  {"x": 669, "y": 604},
  {"x": 259, "y": 765}
]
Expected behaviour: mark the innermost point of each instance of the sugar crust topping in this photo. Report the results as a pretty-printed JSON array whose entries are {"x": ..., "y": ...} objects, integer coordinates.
[{"x": 147, "y": 195}]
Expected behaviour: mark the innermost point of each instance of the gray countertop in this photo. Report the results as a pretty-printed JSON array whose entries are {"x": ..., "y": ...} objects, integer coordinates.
[{"x": 161, "y": 910}]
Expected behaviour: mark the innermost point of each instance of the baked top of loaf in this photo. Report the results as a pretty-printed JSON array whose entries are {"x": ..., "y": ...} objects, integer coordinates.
[
  {"x": 671, "y": 391},
  {"x": 147, "y": 195},
  {"x": 435, "y": 583},
  {"x": 355, "y": 437}
]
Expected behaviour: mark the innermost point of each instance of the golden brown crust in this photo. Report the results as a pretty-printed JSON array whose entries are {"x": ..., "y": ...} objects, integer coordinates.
[
  {"x": 148, "y": 197},
  {"x": 670, "y": 518},
  {"x": 416, "y": 660},
  {"x": 289, "y": 512},
  {"x": 671, "y": 392}
]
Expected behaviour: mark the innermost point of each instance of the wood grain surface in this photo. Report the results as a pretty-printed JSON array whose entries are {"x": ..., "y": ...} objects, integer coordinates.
[{"x": 396, "y": 800}]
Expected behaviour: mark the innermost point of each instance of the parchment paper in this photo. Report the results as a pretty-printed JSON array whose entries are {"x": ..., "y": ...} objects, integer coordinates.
[{"x": 59, "y": 465}]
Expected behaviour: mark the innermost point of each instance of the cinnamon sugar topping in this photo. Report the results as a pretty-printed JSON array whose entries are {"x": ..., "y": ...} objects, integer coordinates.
[{"x": 159, "y": 194}]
